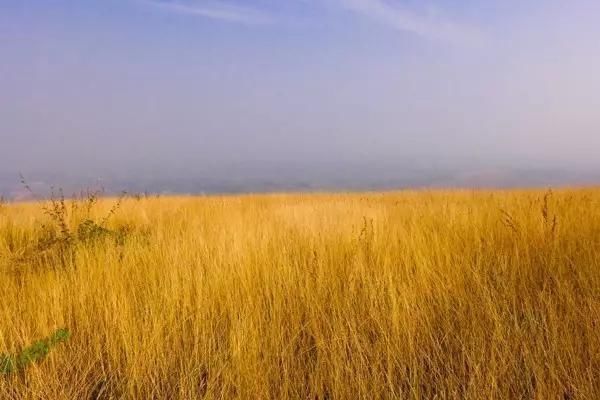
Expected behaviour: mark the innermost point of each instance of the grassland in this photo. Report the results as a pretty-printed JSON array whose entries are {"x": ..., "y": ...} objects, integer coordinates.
[{"x": 410, "y": 295}]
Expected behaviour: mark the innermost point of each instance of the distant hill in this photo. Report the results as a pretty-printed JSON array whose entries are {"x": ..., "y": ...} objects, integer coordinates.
[{"x": 269, "y": 178}]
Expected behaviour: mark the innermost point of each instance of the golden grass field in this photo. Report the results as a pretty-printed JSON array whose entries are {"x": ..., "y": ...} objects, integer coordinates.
[{"x": 408, "y": 295}]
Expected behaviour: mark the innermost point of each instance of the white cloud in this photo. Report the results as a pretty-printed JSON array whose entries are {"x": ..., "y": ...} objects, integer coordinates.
[
  {"x": 218, "y": 10},
  {"x": 426, "y": 24}
]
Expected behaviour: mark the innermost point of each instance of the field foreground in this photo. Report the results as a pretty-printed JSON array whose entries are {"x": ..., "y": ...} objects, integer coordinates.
[{"x": 410, "y": 295}]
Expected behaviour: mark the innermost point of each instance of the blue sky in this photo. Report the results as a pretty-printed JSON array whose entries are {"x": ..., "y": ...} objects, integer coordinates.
[{"x": 133, "y": 84}]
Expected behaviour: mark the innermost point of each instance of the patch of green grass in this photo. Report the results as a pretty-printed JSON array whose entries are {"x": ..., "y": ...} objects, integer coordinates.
[{"x": 37, "y": 351}]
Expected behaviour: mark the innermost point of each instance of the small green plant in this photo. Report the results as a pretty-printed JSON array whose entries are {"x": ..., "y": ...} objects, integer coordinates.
[
  {"x": 37, "y": 351},
  {"x": 65, "y": 230},
  {"x": 57, "y": 211}
]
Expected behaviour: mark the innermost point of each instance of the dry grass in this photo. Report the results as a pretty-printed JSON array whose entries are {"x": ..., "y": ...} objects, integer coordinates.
[{"x": 416, "y": 295}]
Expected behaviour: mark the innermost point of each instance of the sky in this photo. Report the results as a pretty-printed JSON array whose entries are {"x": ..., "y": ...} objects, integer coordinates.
[{"x": 132, "y": 87}]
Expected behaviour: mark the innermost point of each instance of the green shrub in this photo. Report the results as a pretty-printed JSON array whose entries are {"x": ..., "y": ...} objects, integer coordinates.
[{"x": 37, "y": 351}]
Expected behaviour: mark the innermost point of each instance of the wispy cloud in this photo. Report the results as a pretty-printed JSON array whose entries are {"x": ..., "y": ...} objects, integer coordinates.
[
  {"x": 431, "y": 25},
  {"x": 424, "y": 22},
  {"x": 219, "y": 10}
]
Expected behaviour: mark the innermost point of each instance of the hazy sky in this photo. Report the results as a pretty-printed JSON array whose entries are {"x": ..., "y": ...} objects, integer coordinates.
[{"x": 131, "y": 84}]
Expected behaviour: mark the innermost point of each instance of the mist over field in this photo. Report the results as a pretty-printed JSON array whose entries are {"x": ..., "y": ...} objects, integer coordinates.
[{"x": 285, "y": 176}]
